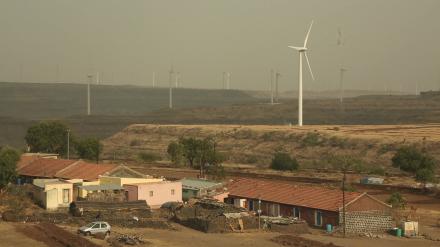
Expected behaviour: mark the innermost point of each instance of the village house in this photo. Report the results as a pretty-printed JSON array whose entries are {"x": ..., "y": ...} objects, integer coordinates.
[
  {"x": 198, "y": 188},
  {"x": 52, "y": 193},
  {"x": 155, "y": 193},
  {"x": 316, "y": 205}
]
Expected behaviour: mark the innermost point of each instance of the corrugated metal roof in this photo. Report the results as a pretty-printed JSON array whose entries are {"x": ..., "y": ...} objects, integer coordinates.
[
  {"x": 197, "y": 184},
  {"x": 86, "y": 171},
  {"x": 42, "y": 167},
  {"x": 101, "y": 187},
  {"x": 66, "y": 169},
  {"x": 284, "y": 193}
]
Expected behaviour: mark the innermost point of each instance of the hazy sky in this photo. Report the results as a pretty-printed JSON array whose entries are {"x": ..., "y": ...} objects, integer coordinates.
[{"x": 387, "y": 42}]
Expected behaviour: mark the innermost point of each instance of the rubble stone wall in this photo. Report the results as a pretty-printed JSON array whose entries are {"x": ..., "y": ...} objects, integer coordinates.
[{"x": 367, "y": 221}]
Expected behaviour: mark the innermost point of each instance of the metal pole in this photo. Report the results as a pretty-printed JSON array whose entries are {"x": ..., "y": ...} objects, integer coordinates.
[
  {"x": 259, "y": 213},
  {"x": 343, "y": 201},
  {"x": 277, "y": 75}
]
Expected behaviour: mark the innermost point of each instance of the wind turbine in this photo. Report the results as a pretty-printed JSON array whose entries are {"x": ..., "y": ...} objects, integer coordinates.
[
  {"x": 302, "y": 51},
  {"x": 271, "y": 87},
  {"x": 170, "y": 103},
  {"x": 342, "y": 70},
  {"x": 277, "y": 76},
  {"x": 154, "y": 79},
  {"x": 90, "y": 78}
]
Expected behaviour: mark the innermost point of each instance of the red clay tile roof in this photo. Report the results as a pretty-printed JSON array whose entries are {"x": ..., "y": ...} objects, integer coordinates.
[
  {"x": 66, "y": 169},
  {"x": 284, "y": 193},
  {"x": 42, "y": 167},
  {"x": 26, "y": 160},
  {"x": 84, "y": 170}
]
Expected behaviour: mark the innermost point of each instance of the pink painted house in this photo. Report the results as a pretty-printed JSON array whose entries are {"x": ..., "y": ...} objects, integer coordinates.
[{"x": 155, "y": 193}]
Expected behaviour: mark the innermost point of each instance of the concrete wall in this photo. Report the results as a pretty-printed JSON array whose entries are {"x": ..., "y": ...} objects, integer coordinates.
[
  {"x": 161, "y": 193},
  {"x": 131, "y": 192},
  {"x": 59, "y": 195}
]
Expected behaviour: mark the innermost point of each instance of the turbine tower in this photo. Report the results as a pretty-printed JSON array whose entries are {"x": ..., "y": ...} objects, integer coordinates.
[
  {"x": 170, "y": 103},
  {"x": 228, "y": 80},
  {"x": 154, "y": 79},
  {"x": 277, "y": 76},
  {"x": 302, "y": 51},
  {"x": 342, "y": 70},
  {"x": 90, "y": 78},
  {"x": 271, "y": 86}
]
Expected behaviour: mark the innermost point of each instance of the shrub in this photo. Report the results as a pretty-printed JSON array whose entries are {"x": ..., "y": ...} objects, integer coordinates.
[
  {"x": 148, "y": 157},
  {"x": 283, "y": 162},
  {"x": 377, "y": 171},
  {"x": 311, "y": 139},
  {"x": 135, "y": 142},
  {"x": 410, "y": 159},
  {"x": 397, "y": 201}
]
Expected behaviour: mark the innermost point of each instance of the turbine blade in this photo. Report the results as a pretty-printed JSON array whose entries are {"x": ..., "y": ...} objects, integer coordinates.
[
  {"x": 308, "y": 33},
  {"x": 310, "y": 68},
  {"x": 296, "y": 48}
]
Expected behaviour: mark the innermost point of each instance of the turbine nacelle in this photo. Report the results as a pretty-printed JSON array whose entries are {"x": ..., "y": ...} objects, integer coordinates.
[{"x": 299, "y": 49}]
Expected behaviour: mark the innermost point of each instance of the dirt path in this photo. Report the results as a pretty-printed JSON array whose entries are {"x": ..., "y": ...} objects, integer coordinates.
[
  {"x": 388, "y": 241},
  {"x": 53, "y": 235},
  {"x": 9, "y": 236}
]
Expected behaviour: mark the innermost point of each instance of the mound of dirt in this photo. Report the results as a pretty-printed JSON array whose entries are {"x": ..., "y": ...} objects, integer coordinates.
[
  {"x": 296, "y": 241},
  {"x": 53, "y": 235}
]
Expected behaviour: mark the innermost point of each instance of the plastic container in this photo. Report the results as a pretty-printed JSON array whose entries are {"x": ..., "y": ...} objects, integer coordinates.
[
  {"x": 329, "y": 228},
  {"x": 399, "y": 232}
]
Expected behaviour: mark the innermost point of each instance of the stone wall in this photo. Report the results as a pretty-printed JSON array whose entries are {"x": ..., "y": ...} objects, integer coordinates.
[{"x": 367, "y": 221}]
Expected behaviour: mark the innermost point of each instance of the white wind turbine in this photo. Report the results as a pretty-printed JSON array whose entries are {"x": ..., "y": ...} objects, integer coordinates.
[{"x": 302, "y": 50}]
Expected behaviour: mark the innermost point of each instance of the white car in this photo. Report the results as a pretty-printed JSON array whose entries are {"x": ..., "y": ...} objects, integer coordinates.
[{"x": 95, "y": 227}]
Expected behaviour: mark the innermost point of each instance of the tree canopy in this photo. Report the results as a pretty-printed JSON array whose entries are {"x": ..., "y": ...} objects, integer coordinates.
[
  {"x": 421, "y": 164},
  {"x": 89, "y": 148},
  {"x": 283, "y": 161},
  {"x": 198, "y": 153},
  {"x": 8, "y": 164},
  {"x": 48, "y": 136}
]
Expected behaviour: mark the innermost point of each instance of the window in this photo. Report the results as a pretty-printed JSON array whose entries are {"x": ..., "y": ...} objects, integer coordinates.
[
  {"x": 296, "y": 213},
  {"x": 318, "y": 218},
  {"x": 172, "y": 192},
  {"x": 151, "y": 193},
  {"x": 251, "y": 205},
  {"x": 96, "y": 226},
  {"x": 103, "y": 225},
  {"x": 274, "y": 210},
  {"x": 66, "y": 195}
]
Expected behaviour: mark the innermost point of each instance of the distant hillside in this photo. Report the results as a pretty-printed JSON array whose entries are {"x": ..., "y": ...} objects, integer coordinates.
[
  {"x": 316, "y": 146},
  {"x": 50, "y": 100}
]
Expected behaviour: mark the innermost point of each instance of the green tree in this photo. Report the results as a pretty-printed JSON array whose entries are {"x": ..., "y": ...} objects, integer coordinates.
[
  {"x": 175, "y": 151},
  {"x": 8, "y": 164},
  {"x": 48, "y": 136},
  {"x": 397, "y": 201},
  {"x": 283, "y": 161},
  {"x": 199, "y": 153},
  {"x": 89, "y": 148},
  {"x": 412, "y": 160}
]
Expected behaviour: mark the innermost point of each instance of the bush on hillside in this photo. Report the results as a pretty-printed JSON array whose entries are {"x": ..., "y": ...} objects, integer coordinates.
[
  {"x": 283, "y": 162},
  {"x": 397, "y": 201},
  {"x": 148, "y": 157}
]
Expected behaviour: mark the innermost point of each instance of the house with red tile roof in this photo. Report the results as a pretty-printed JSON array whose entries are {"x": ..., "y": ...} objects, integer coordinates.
[
  {"x": 318, "y": 206},
  {"x": 30, "y": 169}
]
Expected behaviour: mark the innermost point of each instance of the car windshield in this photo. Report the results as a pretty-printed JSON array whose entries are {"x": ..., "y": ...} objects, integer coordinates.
[{"x": 89, "y": 225}]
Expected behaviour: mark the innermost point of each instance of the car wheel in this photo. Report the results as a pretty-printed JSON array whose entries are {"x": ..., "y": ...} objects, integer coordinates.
[
  {"x": 107, "y": 233},
  {"x": 88, "y": 233}
]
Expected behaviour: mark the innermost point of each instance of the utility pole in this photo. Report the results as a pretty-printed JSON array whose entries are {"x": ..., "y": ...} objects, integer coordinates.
[
  {"x": 68, "y": 144},
  {"x": 344, "y": 171},
  {"x": 277, "y": 76},
  {"x": 259, "y": 213}
]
